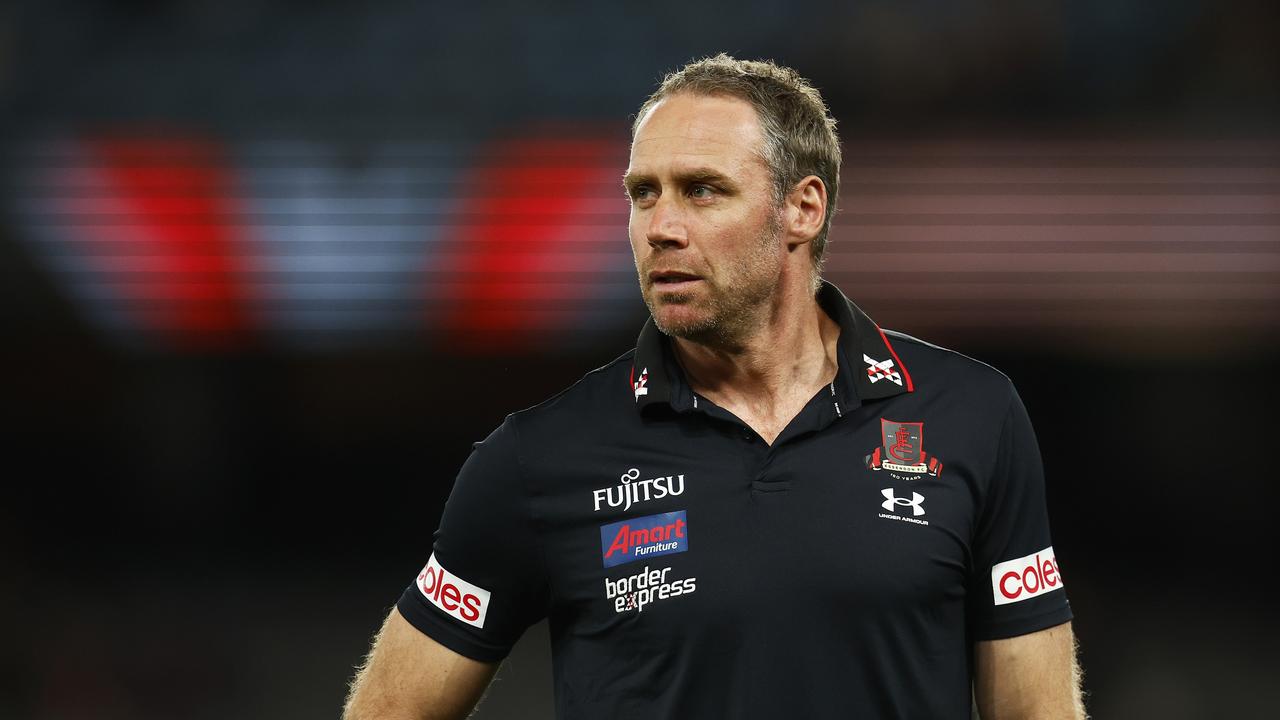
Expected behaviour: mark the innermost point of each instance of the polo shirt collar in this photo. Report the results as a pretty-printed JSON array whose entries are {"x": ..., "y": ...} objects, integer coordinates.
[{"x": 868, "y": 366}]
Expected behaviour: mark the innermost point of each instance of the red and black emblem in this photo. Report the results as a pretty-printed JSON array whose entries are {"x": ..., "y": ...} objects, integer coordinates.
[
  {"x": 902, "y": 450},
  {"x": 638, "y": 386}
]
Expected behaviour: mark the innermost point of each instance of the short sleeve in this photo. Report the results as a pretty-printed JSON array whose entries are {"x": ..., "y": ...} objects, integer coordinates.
[
  {"x": 1016, "y": 586},
  {"x": 485, "y": 580}
]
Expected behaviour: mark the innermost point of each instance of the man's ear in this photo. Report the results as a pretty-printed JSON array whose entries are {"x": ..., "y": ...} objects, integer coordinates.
[{"x": 805, "y": 211}]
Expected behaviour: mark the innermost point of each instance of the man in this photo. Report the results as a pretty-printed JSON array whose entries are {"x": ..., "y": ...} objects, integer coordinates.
[{"x": 770, "y": 508}]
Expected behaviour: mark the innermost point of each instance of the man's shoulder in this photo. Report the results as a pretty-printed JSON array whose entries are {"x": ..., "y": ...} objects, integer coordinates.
[
  {"x": 934, "y": 368},
  {"x": 590, "y": 399}
]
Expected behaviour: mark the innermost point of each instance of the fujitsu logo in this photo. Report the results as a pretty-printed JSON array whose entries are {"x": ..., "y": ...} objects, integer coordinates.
[
  {"x": 632, "y": 490},
  {"x": 1026, "y": 577},
  {"x": 457, "y": 597}
]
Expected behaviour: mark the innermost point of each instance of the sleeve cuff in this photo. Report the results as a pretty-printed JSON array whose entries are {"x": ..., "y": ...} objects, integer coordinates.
[
  {"x": 1023, "y": 625},
  {"x": 432, "y": 623}
]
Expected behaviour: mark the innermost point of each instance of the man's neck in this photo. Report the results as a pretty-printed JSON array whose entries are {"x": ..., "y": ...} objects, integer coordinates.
[{"x": 767, "y": 375}]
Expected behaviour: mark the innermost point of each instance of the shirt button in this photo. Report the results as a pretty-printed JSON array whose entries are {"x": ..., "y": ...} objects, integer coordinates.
[{"x": 748, "y": 435}]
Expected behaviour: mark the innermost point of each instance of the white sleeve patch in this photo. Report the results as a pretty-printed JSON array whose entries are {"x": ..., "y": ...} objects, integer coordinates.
[
  {"x": 1025, "y": 577},
  {"x": 455, "y": 596}
]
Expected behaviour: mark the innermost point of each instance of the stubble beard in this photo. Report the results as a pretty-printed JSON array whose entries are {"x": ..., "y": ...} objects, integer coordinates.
[{"x": 734, "y": 305}]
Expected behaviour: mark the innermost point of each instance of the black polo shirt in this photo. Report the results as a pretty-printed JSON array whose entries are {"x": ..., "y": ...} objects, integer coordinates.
[{"x": 690, "y": 570}]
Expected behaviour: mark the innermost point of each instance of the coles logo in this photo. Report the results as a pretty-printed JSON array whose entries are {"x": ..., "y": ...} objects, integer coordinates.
[
  {"x": 457, "y": 597},
  {"x": 1027, "y": 577}
]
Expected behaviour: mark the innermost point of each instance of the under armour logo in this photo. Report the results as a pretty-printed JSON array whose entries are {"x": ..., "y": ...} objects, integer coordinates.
[
  {"x": 877, "y": 370},
  {"x": 915, "y": 502}
]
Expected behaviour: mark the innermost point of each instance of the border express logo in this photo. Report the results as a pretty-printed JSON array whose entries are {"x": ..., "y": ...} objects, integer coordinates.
[
  {"x": 902, "y": 451},
  {"x": 644, "y": 537},
  {"x": 647, "y": 586}
]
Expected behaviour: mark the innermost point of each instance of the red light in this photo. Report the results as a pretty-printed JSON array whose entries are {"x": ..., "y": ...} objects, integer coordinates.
[
  {"x": 537, "y": 238},
  {"x": 171, "y": 245}
]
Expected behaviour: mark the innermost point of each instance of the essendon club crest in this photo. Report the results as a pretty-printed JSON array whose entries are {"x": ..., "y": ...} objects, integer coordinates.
[{"x": 902, "y": 450}]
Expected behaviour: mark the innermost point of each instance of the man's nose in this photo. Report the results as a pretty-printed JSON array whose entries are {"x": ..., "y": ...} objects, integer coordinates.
[{"x": 667, "y": 224}]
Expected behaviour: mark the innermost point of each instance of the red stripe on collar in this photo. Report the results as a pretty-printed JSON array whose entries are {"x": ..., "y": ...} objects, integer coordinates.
[{"x": 897, "y": 360}]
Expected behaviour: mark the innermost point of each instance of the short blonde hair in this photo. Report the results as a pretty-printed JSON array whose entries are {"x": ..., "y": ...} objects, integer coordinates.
[{"x": 799, "y": 133}]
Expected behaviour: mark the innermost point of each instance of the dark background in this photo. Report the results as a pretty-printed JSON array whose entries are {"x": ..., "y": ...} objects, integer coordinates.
[{"x": 268, "y": 268}]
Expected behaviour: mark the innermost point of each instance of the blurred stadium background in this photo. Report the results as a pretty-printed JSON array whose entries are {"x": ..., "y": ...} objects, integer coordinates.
[{"x": 268, "y": 268}]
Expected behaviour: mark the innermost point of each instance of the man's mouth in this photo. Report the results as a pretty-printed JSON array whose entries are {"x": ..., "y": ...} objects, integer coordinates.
[{"x": 672, "y": 279}]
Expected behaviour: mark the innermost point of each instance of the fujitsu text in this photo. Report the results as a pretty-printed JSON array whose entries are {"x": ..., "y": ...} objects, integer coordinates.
[{"x": 632, "y": 490}]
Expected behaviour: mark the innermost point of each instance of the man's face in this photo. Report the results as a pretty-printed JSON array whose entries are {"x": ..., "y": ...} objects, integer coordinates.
[{"x": 704, "y": 228}]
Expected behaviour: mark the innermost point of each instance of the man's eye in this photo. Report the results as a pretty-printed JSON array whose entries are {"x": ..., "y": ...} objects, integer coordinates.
[
  {"x": 640, "y": 193},
  {"x": 700, "y": 192}
]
